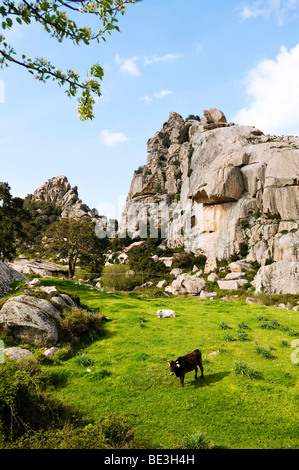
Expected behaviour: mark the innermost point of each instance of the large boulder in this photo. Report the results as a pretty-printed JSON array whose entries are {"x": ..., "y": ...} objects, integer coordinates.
[
  {"x": 31, "y": 318},
  {"x": 7, "y": 276},
  {"x": 281, "y": 277},
  {"x": 187, "y": 284}
]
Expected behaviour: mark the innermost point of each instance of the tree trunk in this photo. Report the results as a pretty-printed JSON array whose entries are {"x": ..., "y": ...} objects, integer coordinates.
[{"x": 71, "y": 270}]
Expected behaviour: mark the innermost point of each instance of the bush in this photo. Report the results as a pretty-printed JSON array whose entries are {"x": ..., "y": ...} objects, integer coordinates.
[
  {"x": 224, "y": 326},
  {"x": 76, "y": 324},
  {"x": 184, "y": 134},
  {"x": 241, "y": 335},
  {"x": 264, "y": 352},
  {"x": 196, "y": 440},
  {"x": 83, "y": 360},
  {"x": 116, "y": 278},
  {"x": 23, "y": 405},
  {"x": 241, "y": 367}
]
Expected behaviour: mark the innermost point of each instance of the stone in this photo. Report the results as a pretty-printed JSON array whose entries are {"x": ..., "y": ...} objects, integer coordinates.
[
  {"x": 187, "y": 284},
  {"x": 51, "y": 291},
  {"x": 68, "y": 300},
  {"x": 162, "y": 284},
  {"x": 239, "y": 266},
  {"x": 213, "y": 277},
  {"x": 168, "y": 261},
  {"x": 31, "y": 318},
  {"x": 281, "y": 277},
  {"x": 231, "y": 284},
  {"x": 123, "y": 258},
  {"x": 17, "y": 354},
  {"x": 208, "y": 295},
  {"x": 59, "y": 301},
  {"x": 176, "y": 272},
  {"x": 211, "y": 265},
  {"x": 34, "y": 283},
  {"x": 49, "y": 353},
  {"x": 234, "y": 275}
]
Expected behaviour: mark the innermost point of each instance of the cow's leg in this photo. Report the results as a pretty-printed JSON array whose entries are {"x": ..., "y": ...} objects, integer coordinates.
[
  {"x": 201, "y": 367},
  {"x": 182, "y": 380},
  {"x": 196, "y": 369}
]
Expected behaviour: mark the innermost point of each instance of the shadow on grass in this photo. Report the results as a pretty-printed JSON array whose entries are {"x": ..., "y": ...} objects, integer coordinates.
[{"x": 209, "y": 379}]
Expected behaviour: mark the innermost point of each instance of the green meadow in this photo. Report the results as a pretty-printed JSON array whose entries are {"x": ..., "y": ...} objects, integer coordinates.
[{"x": 248, "y": 399}]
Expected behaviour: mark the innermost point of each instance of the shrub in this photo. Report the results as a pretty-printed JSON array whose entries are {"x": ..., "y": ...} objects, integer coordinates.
[
  {"x": 228, "y": 337},
  {"x": 242, "y": 335},
  {"x": 184, "y": 134},
  {"x": 23, "y": 404},
  {"x": 77, "y": 323},
  {"x": 264, "y": 352},
  {"x": 224, "y": 326},
  {"x": 243, "y": 326},
  {"x": 83, "y": 360},
  {"x": 196, "y": 440},
  {"x": 241, "y": 367}
]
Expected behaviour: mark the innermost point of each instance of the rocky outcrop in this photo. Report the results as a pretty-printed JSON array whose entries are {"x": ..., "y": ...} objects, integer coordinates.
[
  {"x": 7, "y": 276},
  {"x": 39, "y": 268},
  {"x": 219, "y": 189},
  {"x": 281, "y": 277},
  {"x": 58, "y": 191},
  {"x": 233, "y": 181}
]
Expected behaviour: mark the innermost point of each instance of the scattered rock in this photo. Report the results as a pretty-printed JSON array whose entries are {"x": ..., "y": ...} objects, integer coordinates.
[
  {"x": 232, "y": 284},
  {"x": 162, "y": 284},
  {"x": 17, "y": 354},
  {"x": 51, "y": 291},
  {"x": 187, "y": 284},
  {"x": 49, "y": 353},
  {"x": 34, "y": 283}
]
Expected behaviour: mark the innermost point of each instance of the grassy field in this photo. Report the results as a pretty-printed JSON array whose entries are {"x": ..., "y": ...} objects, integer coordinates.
[{"x": 129, "y": 376}]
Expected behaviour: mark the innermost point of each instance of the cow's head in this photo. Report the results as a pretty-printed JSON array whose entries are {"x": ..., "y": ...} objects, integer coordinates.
[{"x": 174, "y": 367}]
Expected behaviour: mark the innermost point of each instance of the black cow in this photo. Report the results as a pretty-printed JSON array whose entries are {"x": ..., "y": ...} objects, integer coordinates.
[{"x": 185, "y": 364}]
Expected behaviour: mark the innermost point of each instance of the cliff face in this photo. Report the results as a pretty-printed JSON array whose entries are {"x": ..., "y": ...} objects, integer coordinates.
[
  {"x": 238, "y": 188},
  {"x": 58, "y": 191}
]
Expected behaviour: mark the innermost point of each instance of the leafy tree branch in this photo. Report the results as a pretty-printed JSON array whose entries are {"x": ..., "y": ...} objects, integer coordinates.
[{"x": 55, "y": 17}]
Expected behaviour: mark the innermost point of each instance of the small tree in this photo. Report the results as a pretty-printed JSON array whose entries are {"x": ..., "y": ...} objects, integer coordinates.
[{"x": 74, "y": 240}]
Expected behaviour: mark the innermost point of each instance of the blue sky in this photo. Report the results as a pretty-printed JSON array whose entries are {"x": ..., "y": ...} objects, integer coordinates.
[{"x": 171, "y": 55}]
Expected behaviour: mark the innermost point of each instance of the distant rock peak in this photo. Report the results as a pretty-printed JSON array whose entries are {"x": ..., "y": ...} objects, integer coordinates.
[{"x": 58, "y": 191}]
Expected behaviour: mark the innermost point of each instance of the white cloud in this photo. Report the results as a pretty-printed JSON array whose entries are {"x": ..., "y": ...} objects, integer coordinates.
[
  {"x": 128, "y": 65},
  {"x": 152, "y": 59},
  {"x": 273, "y": 88},
  {"x": 109, "y": 139},
  {"x": 198, "y": 47},
  {"x": 148, "y": 99},
  {"x": 163, "y": 93},
  {"x": 282, "y": 9}
]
